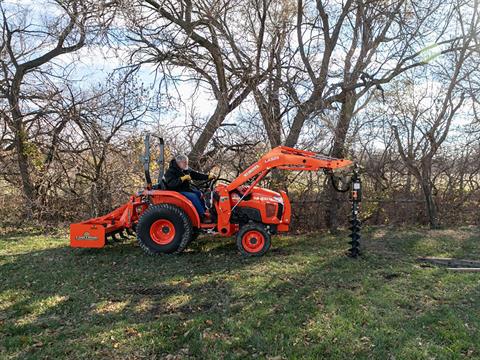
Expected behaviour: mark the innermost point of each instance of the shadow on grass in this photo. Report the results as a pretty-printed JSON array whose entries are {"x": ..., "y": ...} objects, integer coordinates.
[
  {"x": 304, "y": 299},
  {"x": 11, "y": 234},
  {"x": 412, "y": 243}
]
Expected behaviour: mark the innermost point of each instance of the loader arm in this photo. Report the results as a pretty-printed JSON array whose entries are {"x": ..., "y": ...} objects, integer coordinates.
[
  {"x": 281, "y": 157},
  {"x": 286, "y": 158}
]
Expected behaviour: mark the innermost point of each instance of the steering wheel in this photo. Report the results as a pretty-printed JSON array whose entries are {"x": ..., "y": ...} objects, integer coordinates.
[
  {"x": 201, "y": 186},
  {"x": 209, "y": 185},
  {"x": 207, "y": 188}
]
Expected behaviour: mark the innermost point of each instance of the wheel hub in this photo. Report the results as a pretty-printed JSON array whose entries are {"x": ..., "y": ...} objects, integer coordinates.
[
  {"x": 253, "y": 241},
  {"x": 162, "y": 231}
]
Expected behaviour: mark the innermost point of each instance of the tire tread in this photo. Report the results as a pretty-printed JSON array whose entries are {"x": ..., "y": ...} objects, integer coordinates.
[
  {"x": 187, "y": 224},
  {"x": 248, "y": 227}
]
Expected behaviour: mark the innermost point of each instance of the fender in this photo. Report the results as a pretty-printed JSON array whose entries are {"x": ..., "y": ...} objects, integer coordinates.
[{"x": 177, "y": 199}]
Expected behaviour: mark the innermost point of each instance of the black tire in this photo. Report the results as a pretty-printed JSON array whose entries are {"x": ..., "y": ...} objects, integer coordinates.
[
  {"x": 253, "y": 230},
  {"x": 176, "y": 216}
]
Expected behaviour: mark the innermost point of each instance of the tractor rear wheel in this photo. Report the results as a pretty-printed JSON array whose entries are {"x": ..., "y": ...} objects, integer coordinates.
[
  {"x": 253, "y": 240},
  {"x": 164, "y": 229}
]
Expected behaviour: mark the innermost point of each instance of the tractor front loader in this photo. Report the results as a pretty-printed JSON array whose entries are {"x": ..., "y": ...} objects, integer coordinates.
[{"x": 166, "y": 222}]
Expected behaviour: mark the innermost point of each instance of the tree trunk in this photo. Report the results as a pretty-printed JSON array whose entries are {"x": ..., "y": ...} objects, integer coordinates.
[
  {"x": 298, "y": 121},
  {"x": 270, "y": 117},
  {"x": 21, "y": 146},
  {"x": 221, "y": 111},
  {"x": 432, "y": 210},
  {"x": 274, "y": 132},
  {"x": 23, "y": 161},
  {"x": 338, "y": 151}
]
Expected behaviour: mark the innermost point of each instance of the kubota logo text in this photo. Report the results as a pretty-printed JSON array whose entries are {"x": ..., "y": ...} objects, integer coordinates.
[
  {"x": 273, "y": 158},
  {"x": 86, "y": 236},
  {"x": 251, "y": 170}
]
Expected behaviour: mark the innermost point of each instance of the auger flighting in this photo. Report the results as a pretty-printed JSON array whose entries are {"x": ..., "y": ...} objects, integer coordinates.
[{"x": 355, "y": 224}]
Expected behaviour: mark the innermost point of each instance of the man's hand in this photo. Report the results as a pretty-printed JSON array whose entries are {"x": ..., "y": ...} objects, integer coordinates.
[
  {"x": 185, "y": 178},
  {"x": 211, "y": 176}
]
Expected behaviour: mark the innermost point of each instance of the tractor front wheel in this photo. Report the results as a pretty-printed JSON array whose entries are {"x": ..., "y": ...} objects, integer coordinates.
[
  {"x": 253, "y": 240},
  {"x": 164, "y": 229}
]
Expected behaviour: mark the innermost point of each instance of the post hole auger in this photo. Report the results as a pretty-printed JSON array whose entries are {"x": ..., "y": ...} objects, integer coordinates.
[
  {"x": 165, "y": 221},
  {"x": 353, "y": 184},
  {"x": 355, "y": 223}
]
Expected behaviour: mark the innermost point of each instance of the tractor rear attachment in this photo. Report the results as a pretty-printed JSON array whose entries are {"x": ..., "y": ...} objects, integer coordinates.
[{"x": 119, "y": 224}]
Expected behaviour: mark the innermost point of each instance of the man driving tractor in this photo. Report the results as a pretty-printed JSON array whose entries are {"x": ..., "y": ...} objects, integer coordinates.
[
  {"x": 178, "y": 177},
  {"x": 165, "y": 222}
]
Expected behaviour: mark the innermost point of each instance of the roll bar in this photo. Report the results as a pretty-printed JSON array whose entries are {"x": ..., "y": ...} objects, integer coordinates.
[
  {"x": 146, "y": 161},
  {"x": 160, "y": 160}
]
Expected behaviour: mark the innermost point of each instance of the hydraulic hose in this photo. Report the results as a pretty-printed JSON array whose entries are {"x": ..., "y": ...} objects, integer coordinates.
[{"x": 335, "y": 180}]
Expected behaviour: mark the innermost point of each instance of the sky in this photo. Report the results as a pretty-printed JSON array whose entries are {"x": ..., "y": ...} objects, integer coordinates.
[{"x": 94, "y": 64}]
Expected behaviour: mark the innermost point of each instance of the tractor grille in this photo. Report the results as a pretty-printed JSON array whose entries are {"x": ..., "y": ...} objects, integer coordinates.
[
  {"x": 280, "y": 211},
  {"x": 270, "y": 210}
]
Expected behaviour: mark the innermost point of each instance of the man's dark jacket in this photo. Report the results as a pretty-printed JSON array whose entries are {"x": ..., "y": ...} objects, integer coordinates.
[{"x": 173, "y": 174}]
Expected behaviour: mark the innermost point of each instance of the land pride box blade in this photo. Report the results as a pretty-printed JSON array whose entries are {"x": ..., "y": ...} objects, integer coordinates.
[
  {"x": 93, "y": 232},
  {"x": 87, "y": 235}
]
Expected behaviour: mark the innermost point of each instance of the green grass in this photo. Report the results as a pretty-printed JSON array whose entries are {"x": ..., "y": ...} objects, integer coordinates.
[{"x": 304, "y": 299}]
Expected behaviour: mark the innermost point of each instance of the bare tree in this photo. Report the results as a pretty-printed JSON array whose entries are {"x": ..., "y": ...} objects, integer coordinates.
[
  {"x": 363, "y": 46},
  {"x": 270, "y": 97},
  {"x": 423, "y": 120},
  {"x": 29, "y": 75},
  {"x": 103, "y": 118},
  {"x": 221, "y": 46}
]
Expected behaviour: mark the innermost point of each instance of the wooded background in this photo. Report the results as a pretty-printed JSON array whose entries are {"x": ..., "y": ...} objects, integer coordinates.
[{"x": 393, "y": 85}]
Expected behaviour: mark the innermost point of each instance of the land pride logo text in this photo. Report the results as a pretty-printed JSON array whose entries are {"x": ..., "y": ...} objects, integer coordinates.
[{"x": 86, "y": 236}]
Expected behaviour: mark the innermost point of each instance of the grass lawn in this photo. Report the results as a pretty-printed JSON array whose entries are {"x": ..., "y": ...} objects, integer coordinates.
[{"x": 304, "y": 299}]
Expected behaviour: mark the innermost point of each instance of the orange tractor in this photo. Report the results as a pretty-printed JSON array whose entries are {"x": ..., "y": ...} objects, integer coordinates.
[{"x": 166, "y": 222}]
